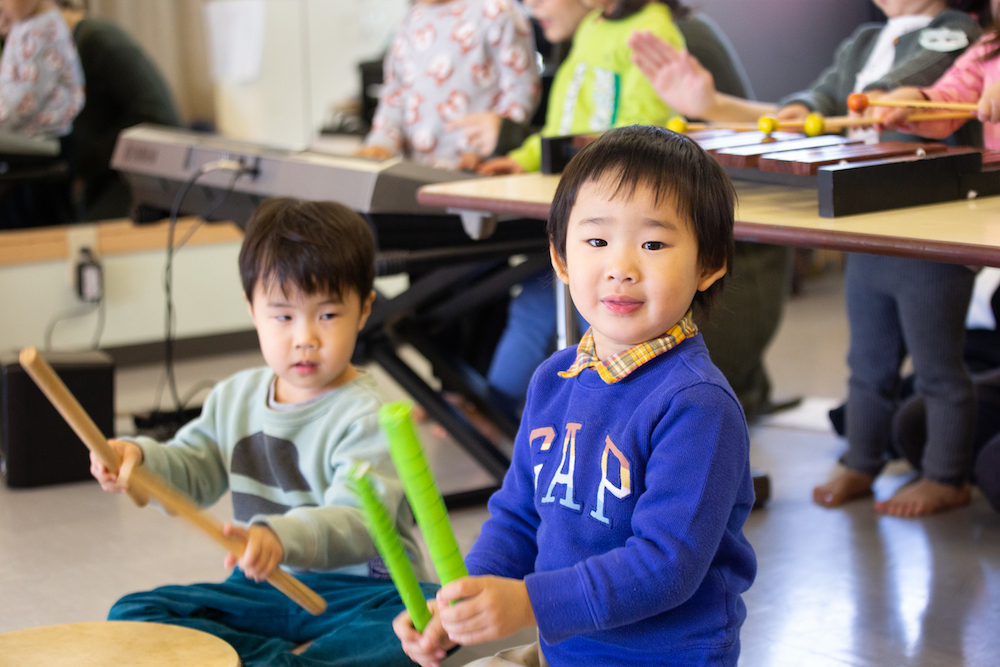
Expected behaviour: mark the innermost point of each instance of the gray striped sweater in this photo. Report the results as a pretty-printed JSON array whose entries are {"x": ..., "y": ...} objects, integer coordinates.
[{"x": 288, "y": 470}]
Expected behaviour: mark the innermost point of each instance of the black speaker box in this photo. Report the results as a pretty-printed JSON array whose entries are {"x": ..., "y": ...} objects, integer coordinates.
[{"x": 37, "y": 446}]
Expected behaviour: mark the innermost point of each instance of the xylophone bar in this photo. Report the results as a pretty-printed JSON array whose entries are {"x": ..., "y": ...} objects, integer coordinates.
[
  {"x": 808, "y": 162},
  {"x": 745, "y": 157}
]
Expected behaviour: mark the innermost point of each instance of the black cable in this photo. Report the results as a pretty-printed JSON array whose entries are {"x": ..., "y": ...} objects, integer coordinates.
[
  {"x": 168, "y": 349},
  {"x": 73, "y": 314}
]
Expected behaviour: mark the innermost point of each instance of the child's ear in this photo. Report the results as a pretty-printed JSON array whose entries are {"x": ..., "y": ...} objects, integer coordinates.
[
  {"x": 558, "y": 265},
  {"x": 708, "y": 279},
  {"x": 366, "y": 309}
]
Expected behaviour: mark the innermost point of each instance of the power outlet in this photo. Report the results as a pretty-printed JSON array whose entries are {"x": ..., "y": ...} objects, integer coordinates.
[{"x": 78, "y": 237}]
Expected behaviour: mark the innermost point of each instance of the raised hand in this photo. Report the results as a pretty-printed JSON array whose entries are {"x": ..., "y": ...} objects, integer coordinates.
[{"x": 676, "y": 76}]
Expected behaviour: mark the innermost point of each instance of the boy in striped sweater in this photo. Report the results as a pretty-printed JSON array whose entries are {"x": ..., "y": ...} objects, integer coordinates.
[{"x": 282, "y": 438}]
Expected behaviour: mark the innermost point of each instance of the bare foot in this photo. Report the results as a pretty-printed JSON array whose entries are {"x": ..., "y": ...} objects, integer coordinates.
[
  {"x": 925, "y": 497},
  {"x": 850, "y": 485}
]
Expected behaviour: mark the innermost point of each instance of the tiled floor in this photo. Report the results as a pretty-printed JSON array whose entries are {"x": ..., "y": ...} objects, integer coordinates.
[{"x": 834, "y": 588}]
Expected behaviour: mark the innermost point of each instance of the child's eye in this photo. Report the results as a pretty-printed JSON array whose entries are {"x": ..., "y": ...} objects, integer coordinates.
[
  {"x": 653, "y": 245},
  {"x": 597, "y": 243},
  {"x": 328, "y": 316},
  {"x": 283, "y": 318}
]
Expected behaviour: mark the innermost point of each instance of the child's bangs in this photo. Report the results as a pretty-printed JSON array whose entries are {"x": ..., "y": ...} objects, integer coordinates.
[
  {"x": 294, "y": 264},
  {"x": 621, "y": 180}
]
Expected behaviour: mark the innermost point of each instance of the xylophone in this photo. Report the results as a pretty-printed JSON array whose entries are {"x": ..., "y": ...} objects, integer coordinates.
[{"x": 850, "y": 177}]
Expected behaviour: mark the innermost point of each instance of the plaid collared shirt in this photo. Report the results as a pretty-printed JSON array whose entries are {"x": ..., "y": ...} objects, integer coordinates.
[{"x": 624, "y": 363}]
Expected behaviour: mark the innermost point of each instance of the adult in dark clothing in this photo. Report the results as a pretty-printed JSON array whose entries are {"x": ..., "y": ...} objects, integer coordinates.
[
  {"x": 746, "y": 316},
  {"x": 124, "y": 88}
]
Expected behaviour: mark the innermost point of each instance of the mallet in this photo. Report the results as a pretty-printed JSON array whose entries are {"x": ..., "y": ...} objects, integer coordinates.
[{"x": 858, "y": 102}]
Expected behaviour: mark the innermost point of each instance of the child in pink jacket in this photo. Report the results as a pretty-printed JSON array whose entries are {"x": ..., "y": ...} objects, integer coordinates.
[{"x": 975, "y": 77}]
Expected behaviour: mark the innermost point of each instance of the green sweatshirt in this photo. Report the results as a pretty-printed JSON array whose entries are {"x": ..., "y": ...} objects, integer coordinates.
[
  {"x": 598, "y": 87},
  {"x": 288, "y": 469}
]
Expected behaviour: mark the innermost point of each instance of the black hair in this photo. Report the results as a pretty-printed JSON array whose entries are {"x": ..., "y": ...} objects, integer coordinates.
[
  {"x": 312, "y": 246},
  {"x": 669, "y": 164},
  {"x": 625, "y": 8}
]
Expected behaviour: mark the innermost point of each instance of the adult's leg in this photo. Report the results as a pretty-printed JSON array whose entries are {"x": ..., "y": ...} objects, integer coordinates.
[{"x": 744, "y": 318}]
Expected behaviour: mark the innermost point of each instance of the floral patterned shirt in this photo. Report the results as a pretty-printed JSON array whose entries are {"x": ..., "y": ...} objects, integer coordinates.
[
  {"x": 449, "y": 60},
  {"x": 41, "y": 80}
]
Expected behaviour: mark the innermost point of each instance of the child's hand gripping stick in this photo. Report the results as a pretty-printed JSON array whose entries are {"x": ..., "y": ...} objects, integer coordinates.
[
  {"x": 383, "y": 531},
  {"x": 428, "y": 506},
  {"x": 145, "y": 484}
]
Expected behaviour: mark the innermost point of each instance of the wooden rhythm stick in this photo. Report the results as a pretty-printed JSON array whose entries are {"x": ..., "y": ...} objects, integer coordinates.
[
  {"x": 858, "y": 102},
  {"x": 148, "y": 484}
]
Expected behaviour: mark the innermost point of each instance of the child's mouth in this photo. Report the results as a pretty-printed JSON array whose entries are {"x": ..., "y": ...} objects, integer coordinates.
[
  {"x": 305, "y": 367},
  {"x": 621, "y": 305}
]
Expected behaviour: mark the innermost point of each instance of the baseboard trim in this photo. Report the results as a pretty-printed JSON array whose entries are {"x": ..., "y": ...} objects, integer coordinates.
[{"x": 184, "y": 348}]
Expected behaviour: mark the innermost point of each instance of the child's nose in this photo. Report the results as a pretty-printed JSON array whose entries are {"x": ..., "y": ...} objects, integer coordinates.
[
  {"x": 305, "y": 337},
  {"x": 622, "y": 267}
]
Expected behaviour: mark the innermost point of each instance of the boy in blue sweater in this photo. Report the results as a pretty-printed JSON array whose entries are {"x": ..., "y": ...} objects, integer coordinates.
[{"x": 618, "y": 529}]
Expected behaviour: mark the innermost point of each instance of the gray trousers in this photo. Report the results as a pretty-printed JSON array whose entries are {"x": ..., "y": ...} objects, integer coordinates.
[{"x": 897, "y": 306}]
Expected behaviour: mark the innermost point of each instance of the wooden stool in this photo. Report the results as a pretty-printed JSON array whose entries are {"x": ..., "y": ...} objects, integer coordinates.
[{"x": 108, "y": 643}]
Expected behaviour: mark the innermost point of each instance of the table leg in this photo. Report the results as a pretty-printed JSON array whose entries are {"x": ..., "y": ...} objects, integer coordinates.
[{"x": 567, "y": 324}]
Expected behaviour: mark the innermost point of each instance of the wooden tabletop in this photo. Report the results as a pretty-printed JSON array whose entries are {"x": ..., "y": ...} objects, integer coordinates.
[{"x": 962, "y": 232}]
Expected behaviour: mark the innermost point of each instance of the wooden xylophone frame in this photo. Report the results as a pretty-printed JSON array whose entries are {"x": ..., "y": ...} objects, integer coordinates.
[{"x": 894, "y": 177}]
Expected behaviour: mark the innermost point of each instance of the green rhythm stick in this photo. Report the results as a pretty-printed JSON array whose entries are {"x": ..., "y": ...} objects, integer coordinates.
[
  {"x": 428, "y": 506},
  {"x": 386, "y": 537}
]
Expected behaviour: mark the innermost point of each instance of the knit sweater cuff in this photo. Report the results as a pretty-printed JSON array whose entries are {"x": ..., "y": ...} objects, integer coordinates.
[{"x": 561, "y": 604}]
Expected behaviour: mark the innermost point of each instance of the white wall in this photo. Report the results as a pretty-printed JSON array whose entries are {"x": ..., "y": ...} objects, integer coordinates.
[
  {"x": 208, "y": 299},
  {"x": 310, "y": 55}
]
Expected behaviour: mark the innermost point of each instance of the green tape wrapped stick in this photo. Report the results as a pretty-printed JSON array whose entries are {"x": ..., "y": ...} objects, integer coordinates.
[
  {"x": 386, "y": 537},
  {"x": 418, "y": 483}
]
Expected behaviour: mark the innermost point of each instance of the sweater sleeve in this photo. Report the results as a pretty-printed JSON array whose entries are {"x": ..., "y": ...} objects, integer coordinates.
[
  {"x": 529, "y": 155},
  {"x": 41, "y": 80},
  {"x": 513, "y": 50},
  {"x": 507, "y": 546},
  {"x": 638, "y": 102},
  {"x": 335, "y": 535},
  {"x": 387, "y": 124},
  {"x": 825, "y": 95},
  {"x": 677, "y": 528},
  {"x": 963, "y": 82},
  {"x": 927, "y": 65},
  {"x": 192, "y": 461}
]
